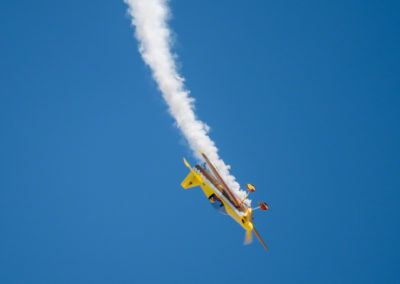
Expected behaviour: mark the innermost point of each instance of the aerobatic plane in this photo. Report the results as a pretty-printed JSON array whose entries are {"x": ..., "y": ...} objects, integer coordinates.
[{"x": 222, "y": 198}]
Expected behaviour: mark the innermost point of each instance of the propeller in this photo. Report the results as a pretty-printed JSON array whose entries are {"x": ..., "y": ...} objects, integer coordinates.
[
  {"x": 261, "y": 205},
  {"x": 259, "y": 238},
  {"x": 248, "y": 238}
]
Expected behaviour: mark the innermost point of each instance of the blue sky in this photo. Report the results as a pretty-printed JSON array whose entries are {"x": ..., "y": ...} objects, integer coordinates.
[{"x": 303, "y": 102}]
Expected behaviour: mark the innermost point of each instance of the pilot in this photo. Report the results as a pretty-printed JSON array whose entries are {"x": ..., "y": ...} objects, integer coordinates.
[{"x": 217, "y": 203}]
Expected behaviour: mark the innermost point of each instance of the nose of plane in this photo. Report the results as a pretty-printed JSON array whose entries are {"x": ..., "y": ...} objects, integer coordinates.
[{"x": 247, "y": 220}]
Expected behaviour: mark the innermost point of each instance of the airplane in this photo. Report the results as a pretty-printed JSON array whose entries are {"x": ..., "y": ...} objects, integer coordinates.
[{"x": 222, "y": 198}]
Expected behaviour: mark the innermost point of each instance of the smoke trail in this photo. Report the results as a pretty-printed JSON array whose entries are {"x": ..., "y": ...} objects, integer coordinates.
[{"x": 152, "y": 31}]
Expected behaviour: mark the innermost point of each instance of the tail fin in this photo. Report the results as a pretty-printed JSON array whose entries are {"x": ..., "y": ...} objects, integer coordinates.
[{"x": 192, "y": 179}]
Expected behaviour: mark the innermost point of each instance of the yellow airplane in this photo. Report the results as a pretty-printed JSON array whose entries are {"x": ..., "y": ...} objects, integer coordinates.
[{"x": 222, "y": 198}]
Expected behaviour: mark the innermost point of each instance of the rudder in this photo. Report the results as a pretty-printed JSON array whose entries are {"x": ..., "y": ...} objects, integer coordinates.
[{"x": 191, "y": 180}]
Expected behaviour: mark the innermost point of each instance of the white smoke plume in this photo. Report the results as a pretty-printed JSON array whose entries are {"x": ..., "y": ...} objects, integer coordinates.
[{"x": 152, "y": 31}]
